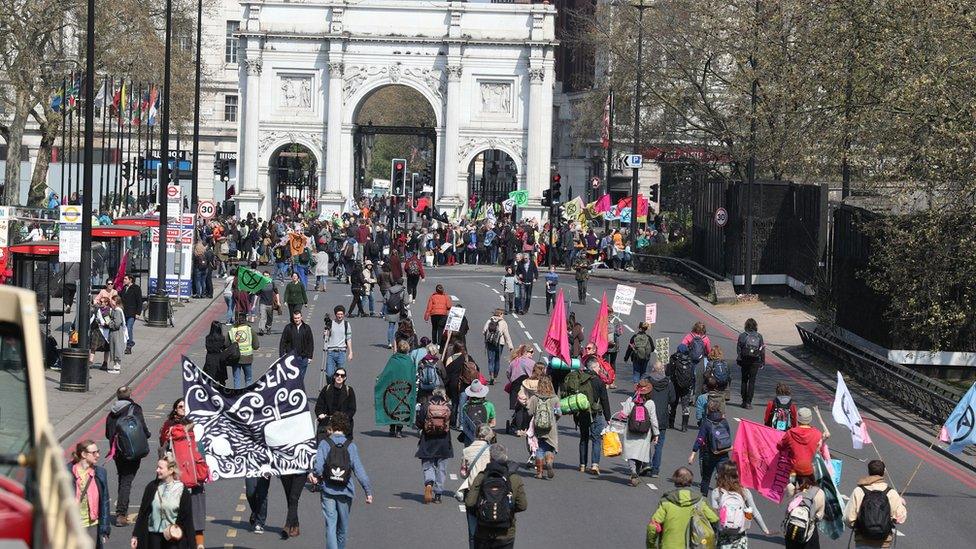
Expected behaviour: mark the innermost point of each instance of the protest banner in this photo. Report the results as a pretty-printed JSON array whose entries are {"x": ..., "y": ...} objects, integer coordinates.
[
  {"x": 762, "y": 467},
  {"x": 650, "y": 313},
  {"x": 623, "y": 299},
  {"x": 454, "y": 317}
]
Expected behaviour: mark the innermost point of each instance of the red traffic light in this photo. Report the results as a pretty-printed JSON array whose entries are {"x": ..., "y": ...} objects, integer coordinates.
[
  {"x": 399, "y": 165},
  {"x": 556, "y": 178}
]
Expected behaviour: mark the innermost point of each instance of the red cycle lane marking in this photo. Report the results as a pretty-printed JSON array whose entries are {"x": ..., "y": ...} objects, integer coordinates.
[
  {"x": 169, "y": 360},
  {"x": 886, "y": 432}
]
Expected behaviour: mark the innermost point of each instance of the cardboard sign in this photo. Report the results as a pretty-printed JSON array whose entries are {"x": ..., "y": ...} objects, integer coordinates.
[
  {"x": 650, "y": 313},
  {"x": 623, "y": 299},
  {"x": 454, "y": 317},
  {"x": 662, "y": 348}
]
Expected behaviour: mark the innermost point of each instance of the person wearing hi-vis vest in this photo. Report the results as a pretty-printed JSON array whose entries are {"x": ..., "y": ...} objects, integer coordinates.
[{"x": 242, "y": 334}]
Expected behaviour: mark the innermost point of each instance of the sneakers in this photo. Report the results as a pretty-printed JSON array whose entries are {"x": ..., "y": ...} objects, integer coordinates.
[
  {"x": 121, "y": 520},
  {"x": 634, "y": 480},
  {"x": 258, "y": 529},
  {"x": 582, "y": 468},
  {"x": 595, "y": 470},
  {"x": 655, "y": 473},
  {"x": 437, "y": 498}
]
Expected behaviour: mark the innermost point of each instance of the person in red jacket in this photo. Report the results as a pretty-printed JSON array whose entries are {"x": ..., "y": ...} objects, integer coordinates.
[
  {"x": 775, "y": 408},
  {"x": 803, "y": 442}
]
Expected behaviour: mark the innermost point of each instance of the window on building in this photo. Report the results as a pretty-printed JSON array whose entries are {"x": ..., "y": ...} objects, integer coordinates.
[
  {"x": 230, "y": 108},
  {"x": 230, "y": 44}
]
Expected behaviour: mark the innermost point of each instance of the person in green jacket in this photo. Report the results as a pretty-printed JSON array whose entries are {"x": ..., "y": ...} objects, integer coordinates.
[
  {"x": 295, "y": 295},
  {"x": 668, "y": 528}
]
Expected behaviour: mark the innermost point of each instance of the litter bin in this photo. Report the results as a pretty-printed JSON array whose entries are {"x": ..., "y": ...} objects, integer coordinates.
[
  {"x": 158, "y": 311},
  {"x": 74, "y": 370}
]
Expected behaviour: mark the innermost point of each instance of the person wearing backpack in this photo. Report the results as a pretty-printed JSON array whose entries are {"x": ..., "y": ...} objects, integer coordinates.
[
  {"x": 434, "y": 447},
  {"x": 805, "y": 507},
  {"x": 336, "y": 461},
  {"x": 414, "y": 269},
  {"x": 781, "y": 411},
  {"x": 474, "y": 409},
  {"x": 718, "y": 369},
  {"x": 681, "y": 372},
  {"x": 592, "y": 421},
  {"x": 474, "y": 459},
  {"x": 497, "y": 337},
  {"x": 751, "y": 357},
  {"x": 543, "y": 408},
  {"x": 735, "y": 507},
  {"x": 713, "y": 444},
  {"x": 681, "y": 514},
  {"x": 177, "y": 438},
  {"x": 495, "y": 496},
  {"x": 639, "y": 414},
  {"x": 509, "y": 283},
  {"x": 430, "y": 374},
  {"x": 335, "y": 397},
  {"x": 552, "y": 286},
  {"x": 128, "y": 437},
  {"x": 803, "y": 442},
  {"x": 664, "y": 396},
  {"x": 640, "y": 350},
  {"x": 712, "y": 394},
  {"x": 874, "y": 509},
  {"x": 438, "y": 305},
  {"x": 242, "y": 335},
  {"x": 395, "y": 309},
  {"x": 698, "y": 346}
]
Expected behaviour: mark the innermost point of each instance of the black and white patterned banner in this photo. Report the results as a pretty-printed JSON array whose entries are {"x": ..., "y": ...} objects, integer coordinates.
[{"x": 263, "y": 428}]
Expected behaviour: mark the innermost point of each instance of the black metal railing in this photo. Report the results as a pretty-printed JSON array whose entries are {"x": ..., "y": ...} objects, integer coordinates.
[
  {"x": 702, "y": 278},
  {"x": 920, "y": 394}
]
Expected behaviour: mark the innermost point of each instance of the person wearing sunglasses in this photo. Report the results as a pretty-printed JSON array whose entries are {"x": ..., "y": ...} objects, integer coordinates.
[
  {"x": 337, "y": 396},
  {"x": 91, "y": 487}
]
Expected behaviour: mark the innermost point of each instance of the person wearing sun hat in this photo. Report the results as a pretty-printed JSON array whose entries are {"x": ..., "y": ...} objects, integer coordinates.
[
  {"x": 475, "y": 409},
  {"x": 802, "y": 442},
  {"x": 641, "y": 431}
]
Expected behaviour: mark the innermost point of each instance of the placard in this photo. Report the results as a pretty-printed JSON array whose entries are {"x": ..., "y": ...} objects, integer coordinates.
[
  {"x": 623, "y": 299},
  {"x": 650, "y": 313},
  {"x": 454, "y": 317},
  {"x": 662, "y": 348}
]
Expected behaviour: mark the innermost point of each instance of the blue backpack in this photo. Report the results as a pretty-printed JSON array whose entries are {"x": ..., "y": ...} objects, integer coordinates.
[
  {"x": 720, "y": 371},
  {"x": 429, "y": 379},
  {"x": 697, "y": 349}
]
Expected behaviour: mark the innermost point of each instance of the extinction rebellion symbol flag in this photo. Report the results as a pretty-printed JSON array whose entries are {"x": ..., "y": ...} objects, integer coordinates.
[
  {"x": 251, "y": 281},
  {"x": 263, "y": 428}
]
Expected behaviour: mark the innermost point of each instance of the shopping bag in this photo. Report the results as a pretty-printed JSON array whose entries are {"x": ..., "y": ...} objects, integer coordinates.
[{"x": 611, "y": 444}]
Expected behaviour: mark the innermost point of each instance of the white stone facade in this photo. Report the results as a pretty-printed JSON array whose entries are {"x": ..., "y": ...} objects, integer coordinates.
[{"x": 306, "y": 67}]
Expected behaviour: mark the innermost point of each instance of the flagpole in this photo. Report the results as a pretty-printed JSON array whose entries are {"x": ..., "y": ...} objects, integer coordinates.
[
  {"x": 123, "y": 195},
  {"x": 606, "y": 184},
  {"x": 64, "y": 141},
  {"x": 78, "y": 145},
  {"x": 159, "y": 303},
  {"x": 915, "y": 472},
  {"x": 103, "y": 167},
  {"x": 195, "y": 169},
  {"x": 117, "y": 153}
]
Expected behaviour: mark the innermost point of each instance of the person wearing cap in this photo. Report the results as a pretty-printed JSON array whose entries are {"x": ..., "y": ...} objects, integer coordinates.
[
  {"x": 803, "y": 442},
  {"x": 485, "y": 536},
  {"x": 475, "y": 409},
  {"x": 637, "y": 446},
  {"x": 126, "y": 466}
]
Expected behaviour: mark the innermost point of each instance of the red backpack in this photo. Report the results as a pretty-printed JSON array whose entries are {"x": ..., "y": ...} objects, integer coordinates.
[
  {"x": 438, "y": 417},
  {"x": 193, "y": 467}
]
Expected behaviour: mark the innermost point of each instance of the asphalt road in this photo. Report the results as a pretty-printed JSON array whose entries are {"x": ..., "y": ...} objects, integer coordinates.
[{"x": 574, "y": 509}]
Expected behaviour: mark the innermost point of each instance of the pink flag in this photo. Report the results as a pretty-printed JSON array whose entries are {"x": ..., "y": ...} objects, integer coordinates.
[
  {"x": 600, "y": 332},
  {"x": 642, "y": 206},
  {"x": 121, "y": 272},
  {"x": 557, "y": 338},
  {"x": 762, "y": 466},
  {"x": 603, "y": 204}
]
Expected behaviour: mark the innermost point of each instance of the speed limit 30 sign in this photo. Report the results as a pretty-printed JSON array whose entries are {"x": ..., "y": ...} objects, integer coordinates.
[{"x": 207, "y": 209}]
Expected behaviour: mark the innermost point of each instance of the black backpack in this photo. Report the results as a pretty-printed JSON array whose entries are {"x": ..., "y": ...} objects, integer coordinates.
[
  {"x": 394, "y": 303},
  {"x": 338, "y": 466},
  {"x": 874, "y": 517},
  {"x": 683, "y": 372},
  {"x": 495, "y": 505},
  {"x": 752, "y": 345},
  {"x": 493, "y": 335},
  {"x": 130, "y": 437}
]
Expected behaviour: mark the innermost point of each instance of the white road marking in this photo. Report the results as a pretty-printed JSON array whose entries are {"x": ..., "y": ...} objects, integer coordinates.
[
  {"x": 528, "y": 335},
  {"x": 454, "y": 298},
  {"x": 629, "y": 328},
  {"x": 514, "y": 315},
  {"x": 495, "y": 290},
  {"x": 521, "y": 325},
  {"x": 461, "y": 508},
  {"x": 898, "y": 533},
  {"x": 501, "y": 298},
  {"x": 537, "y": 348},
  {"x": 485, "y": 285},
  {"x": 454, "y": 476},
  {"x": 651, "y": 486},
  {"x": 639, "y": 302},
  {"x": 595, "y": 300},
  {"x": 316, "y": 297},
  {"x": 737, "y": 419}
]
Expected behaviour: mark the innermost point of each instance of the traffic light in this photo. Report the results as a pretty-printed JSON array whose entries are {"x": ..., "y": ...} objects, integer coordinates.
[
  {"x": 556, "y": 192},
  {"x": 654, "y": 193},
  {"x": 218, "y": 163},
  {"x": 398, "y": 176},
  {"x": 126, "y": 170},
  {"x": 225, "y": 170},
  {"x": 547, "y": 198}
]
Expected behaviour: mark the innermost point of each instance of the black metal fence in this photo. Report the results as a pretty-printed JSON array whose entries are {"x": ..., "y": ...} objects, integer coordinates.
[
  {"x": 789, "y": 228},
  {"x": 916, "y": 392}
]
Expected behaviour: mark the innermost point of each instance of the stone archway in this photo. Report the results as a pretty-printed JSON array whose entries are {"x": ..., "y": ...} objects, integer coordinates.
[
  {"x": 492, "y": 174},
  {"x": 293, "y": 178}
]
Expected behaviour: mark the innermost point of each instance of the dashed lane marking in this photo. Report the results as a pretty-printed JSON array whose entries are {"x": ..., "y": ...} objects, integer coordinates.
[
  {"x": 161, "y": 407},
  {"x": 231, "y": 532},
  {"x": 316, "y": 297},
  {"x": 496, "y": 291},
  {"x": 629, "y": 328},
  {"x": 521, "y": 325},
  {"x": 528, "y": 335},
  {"x": 639, "y": 302},
  {"x": 239, "y": 509},
  {"x": 595, "y": 300},
  {"x": 454, "y": 476},
  {"x": 461, "y": 508},
  {"x": 454, "y": 298},
  {"x": 651, "y": 486},
  {"x": 537, "y": 348}
]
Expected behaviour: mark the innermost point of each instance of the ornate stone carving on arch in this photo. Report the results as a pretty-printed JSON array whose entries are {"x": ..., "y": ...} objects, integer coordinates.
[
  {"x": 470, "y": 147},
  {"x": 355, "y": 95},
  {"x": 354, "y": 76},
  {"x": 271, "y": 141}
]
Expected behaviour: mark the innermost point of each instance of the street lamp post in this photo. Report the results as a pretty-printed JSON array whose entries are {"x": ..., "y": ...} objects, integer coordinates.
[
  {"x": 159, "y": 302},
  {"x": 637, "y": 111},
  {"x": 74, "y": 365},
  {"x": 194, "y": 187}
]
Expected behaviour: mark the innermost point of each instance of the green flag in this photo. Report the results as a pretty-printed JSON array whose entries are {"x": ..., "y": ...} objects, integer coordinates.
[
  {"x": 395, "y": 395},
  {"x": 521, "y": 198},
  {"x": 251, "y": 281}
]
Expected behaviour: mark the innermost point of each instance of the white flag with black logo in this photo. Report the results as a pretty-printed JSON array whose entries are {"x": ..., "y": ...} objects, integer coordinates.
[{"x": 845, "y": 413}]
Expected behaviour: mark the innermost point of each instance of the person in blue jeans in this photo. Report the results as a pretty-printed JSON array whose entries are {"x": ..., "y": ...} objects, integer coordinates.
[
  {"x": 337, "y": 496},
  {"x": 592, "y": 422},
  {"x": 709, "y": 459},
  {"x": 664, "y": 396},
  {"x": 337, "y": 342}
]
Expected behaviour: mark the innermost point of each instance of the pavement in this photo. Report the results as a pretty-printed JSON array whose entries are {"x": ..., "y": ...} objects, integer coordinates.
[
  {"x": 68, "y": 411},
  {"x": 574, "y": 510}
]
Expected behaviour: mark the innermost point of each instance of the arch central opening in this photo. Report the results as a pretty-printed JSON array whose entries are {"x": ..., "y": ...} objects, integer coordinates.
[{"x": 395, "y": 122}]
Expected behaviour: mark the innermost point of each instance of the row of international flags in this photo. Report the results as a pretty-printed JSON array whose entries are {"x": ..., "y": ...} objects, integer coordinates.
[{"x": 124, "y": 101}]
